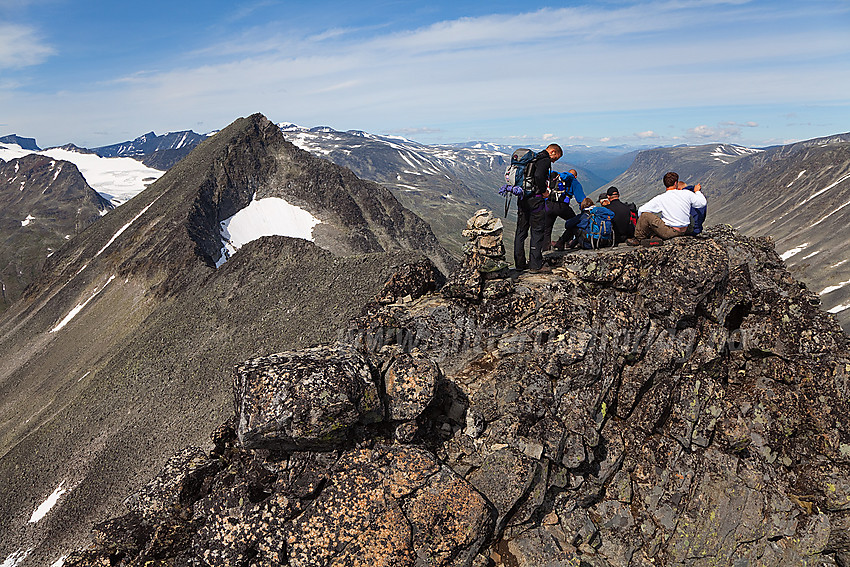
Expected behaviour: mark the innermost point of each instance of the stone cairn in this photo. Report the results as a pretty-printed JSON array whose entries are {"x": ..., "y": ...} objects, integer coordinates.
[{"x": 484, "y": 257}]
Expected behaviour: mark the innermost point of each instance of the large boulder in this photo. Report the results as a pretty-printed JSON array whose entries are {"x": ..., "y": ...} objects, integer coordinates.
[{"x": 309, "y": 399}]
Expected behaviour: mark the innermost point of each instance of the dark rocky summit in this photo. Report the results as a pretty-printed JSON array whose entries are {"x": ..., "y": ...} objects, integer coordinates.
[
  {"x": 798, "y": 194},
  {"x": 679, "y": 405}
]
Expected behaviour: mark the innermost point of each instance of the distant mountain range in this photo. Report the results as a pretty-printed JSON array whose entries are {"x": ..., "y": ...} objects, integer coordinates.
[
  {"x": 445, "y": 184},
  {"x": 158, "y": 152}
]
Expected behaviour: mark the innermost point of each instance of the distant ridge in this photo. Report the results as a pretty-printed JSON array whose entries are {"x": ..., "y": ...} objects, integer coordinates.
[{"x": 25, "y": 143}]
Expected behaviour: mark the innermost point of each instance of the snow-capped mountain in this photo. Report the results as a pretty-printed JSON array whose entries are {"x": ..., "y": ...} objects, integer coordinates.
[
  {"x": 117, "y": 179},
  {"x": 642, "y": 180},
  {"x": 444, "y": 184},
  {"x": 160, "y": 152},
  {"x": 24, "y": 143},
  {"x": 150, "y": 142}
]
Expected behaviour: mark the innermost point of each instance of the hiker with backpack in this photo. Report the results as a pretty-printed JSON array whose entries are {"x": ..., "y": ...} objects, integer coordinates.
[
  {"x": 593, "y": 228},
  {"x": 563, "y": 186},
  {"x": 528, "y": 178},
  {"x": 667, "y": 215},
  {"x": 625, "y": 216}
]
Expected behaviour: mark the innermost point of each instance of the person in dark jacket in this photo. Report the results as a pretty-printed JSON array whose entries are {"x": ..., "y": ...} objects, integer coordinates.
[
  {"x": 623, "y": 227},
  {"x": 531, "y": 211}
]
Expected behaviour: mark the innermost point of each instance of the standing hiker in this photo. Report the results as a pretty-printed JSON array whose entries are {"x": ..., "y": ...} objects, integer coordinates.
[{"x": 531, "y": 209}]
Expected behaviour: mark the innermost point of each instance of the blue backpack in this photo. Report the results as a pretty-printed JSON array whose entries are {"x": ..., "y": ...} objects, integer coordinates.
[{"x": 600, "y": 232}]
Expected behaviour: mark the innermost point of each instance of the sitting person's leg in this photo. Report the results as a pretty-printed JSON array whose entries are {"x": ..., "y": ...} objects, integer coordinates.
[{"x": 650, "y": 224}]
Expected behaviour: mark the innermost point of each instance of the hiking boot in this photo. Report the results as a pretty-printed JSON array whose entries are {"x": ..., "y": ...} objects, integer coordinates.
[
  {"x": 633, "y": 242},
  {"x": 652, "y": 242},
  {"x": 543, "y": 270},
  {"x": 556, "y": 245}
]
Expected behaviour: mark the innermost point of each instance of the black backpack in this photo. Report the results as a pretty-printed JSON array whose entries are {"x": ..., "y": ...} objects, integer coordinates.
[
  {"x": 518, "y": 174},
  {"x": 633, "y": 214}
]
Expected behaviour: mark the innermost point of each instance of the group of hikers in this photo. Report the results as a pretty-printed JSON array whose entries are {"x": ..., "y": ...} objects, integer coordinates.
[{"x": 544, "y": 195}]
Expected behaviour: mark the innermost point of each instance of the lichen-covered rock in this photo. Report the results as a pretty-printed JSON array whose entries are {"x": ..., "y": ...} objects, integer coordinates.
[
  {"x": 175, "y": 487},
  {"x": 309, "y": 399},
  {"x": 411, "y": 280},
  {"x": 411, "y": 383},
  {"x": 391, "y": 506}
]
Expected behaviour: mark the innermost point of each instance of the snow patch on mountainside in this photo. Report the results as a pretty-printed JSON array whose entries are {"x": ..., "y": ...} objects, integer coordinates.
[
  {"x": 49, "y": 503},
  {"x": 825, "y": 189},
  {"x": 799, "y": 175},
  {"x": 731, "y": 152},
  {"x": 125, "y": 227},
  {"x": 832, "y": 288},
  {"x": 271, "y": 216},
  {"x": 793, "y": 251},
  {"x": 16, "y": 558},
  {"x": 76, "y": 310}
]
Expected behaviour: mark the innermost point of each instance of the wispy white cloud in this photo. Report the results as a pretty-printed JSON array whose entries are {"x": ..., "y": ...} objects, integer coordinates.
[
  {"x": 727, "y": 130},
  {"x": 21, "y": 46},
  {"x": 474, "y": 69},
  {"x": 414, "y": 131}
]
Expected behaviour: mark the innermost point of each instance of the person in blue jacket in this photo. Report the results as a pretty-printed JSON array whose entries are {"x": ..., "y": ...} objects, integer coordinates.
[
  {"x": 558, "y": 203},
  {"x": 577, "y": 229},
  {"x": 697, "y": 213}
]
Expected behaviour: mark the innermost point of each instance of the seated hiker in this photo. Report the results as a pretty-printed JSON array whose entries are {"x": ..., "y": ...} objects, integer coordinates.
[
  {"x": 593, "y": 228},
  {"x": 564, "y": 187},
  {"x": 624, "y": 227},
  {"x": 667, "y": 215}
]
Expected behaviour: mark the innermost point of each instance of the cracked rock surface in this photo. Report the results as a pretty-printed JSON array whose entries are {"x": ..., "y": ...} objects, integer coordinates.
[{"x": 679, "y": 405}]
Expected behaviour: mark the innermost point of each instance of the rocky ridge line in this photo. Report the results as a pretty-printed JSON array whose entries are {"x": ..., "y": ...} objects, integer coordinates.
[{"x": 680, "y": 405}]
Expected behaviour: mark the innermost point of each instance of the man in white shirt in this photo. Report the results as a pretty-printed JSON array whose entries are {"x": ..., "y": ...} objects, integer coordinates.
[{"x": 669, "y": 214}]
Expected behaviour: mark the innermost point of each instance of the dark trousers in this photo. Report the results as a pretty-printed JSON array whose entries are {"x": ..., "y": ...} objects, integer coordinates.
[
  {"x": 571, "y": 230},
  {"x": 531, "y": 217},
  {"x": 553, "y": 212}
]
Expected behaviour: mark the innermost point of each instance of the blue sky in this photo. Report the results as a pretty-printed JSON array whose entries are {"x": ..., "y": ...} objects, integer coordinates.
[{"x": 597, "y": 73}]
